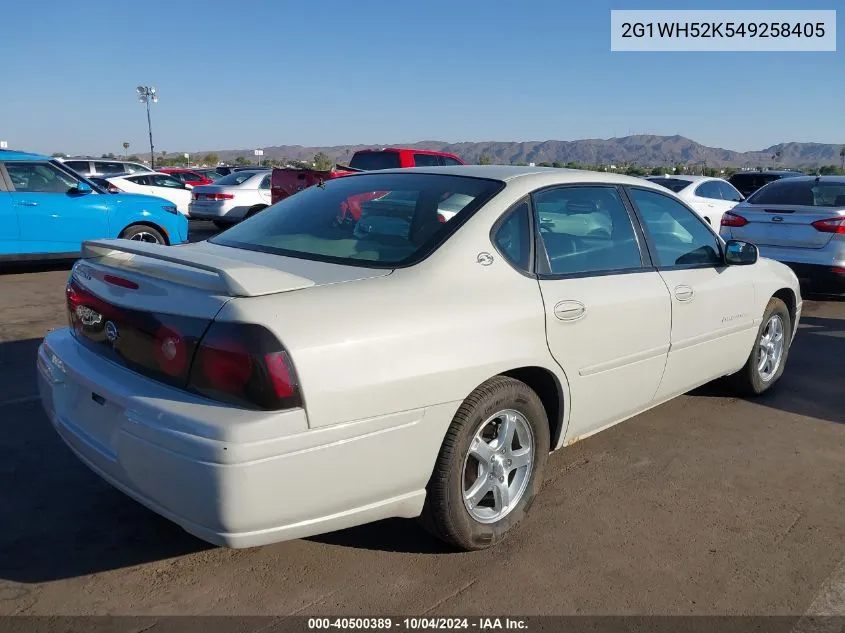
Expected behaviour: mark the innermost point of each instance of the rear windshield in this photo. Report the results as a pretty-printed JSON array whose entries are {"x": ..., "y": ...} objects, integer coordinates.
[
  {"x": 674, "y": 184},
  {"x": 750, "y": 182},
  {"x": 370, "y": 161},
  {"x": 375, "y": 220},
  {"x": 235, "y": 178},
  {"x": 807, "y": 193}
]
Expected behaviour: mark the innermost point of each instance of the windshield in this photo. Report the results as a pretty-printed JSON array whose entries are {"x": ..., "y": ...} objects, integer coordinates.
[
  {"x": 674, "y": 184},
  {"x": 370, "y": 161},
  {"x": 380, "y": 220},
  {"x": 807, "y": 193},
  {"x": 235, "y": 178}
]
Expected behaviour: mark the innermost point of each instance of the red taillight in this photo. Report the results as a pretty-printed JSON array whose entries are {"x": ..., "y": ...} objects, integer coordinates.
[
  {"x": 838, "y": 270},
  {"x": 226, "y": 365},
  {"x": 120, "y": 281},
  {"x": 733, "y": 219},
  {"x": 830, "y": 225},
  {"x": 170, "y": 351},
  {"x": 114, "y": 189},
  {"x": 441, "y": 218},
  {"x": 214, "y": 196},
  {"x": 244, "y": 364}
]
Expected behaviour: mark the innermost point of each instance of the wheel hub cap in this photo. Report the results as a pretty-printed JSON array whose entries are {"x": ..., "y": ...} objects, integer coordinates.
[
  {"x": 770, "y": 348},
  {"x": 497, "y": 467}
]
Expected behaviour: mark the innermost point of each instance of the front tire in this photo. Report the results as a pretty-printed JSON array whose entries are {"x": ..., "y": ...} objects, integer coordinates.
[
  {"x": 143, "y": 233},
  {"x": 254, "y": 211},
  {"x": 490, "y": 466},
  {"x": 768, "y": 356}
]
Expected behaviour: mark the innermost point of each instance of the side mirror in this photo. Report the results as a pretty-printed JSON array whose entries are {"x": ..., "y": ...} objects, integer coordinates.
[
  {"x": 739, "y": 253},
  {"x": 83, "y": 188}
]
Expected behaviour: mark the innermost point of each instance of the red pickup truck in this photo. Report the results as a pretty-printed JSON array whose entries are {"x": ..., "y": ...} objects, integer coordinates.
[{"x": 286, "y": 181}]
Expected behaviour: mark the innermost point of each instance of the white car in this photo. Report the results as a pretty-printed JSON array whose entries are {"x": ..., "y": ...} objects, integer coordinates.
[
  {"x": 156, "y": 184},
  {"x": 709, "y": 197},
  {"x": 232, "y": 198},
  {"x": 294, "y": 375}
]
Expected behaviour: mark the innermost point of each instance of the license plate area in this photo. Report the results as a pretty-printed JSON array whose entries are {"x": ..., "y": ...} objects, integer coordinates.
[{"x": 94, "y": 417}]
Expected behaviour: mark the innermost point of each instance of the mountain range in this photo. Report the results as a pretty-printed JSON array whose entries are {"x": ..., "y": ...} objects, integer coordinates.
[{"x": 640, "y": 150}]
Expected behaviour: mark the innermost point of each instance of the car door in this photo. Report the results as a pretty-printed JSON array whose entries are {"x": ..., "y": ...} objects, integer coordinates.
[
  {"x": 607, "y": 308},
  {"x": 52, "y": 215},
  {"x": 713, "y": 313},
  {"x": 9, "y": 232},
  {"x": 264, "y": 190}
]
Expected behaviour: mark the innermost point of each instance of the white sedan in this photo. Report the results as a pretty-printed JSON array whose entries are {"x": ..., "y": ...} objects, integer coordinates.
[
  {"x": 711, "y": 198},
  {"x": 156, "y": 184},
  {"x": 295, "y": 375}
]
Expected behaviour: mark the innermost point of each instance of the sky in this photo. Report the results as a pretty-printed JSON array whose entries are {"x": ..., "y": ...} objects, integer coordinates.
[{"x": 258, "y": 73}]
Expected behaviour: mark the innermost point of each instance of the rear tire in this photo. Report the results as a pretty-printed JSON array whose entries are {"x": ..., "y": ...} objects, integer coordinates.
[
  {"x": 477, "y": 467},
  {"x": 254, "y": 210},
  {"x": 143, "y": 233},
  {"x": 768, "y": 356}
]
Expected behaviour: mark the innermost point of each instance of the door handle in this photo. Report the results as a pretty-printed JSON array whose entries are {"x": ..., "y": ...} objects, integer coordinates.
[
  {"x": 570, "y": 310},
  {"x": 28, "y": 203},
  {"x": 684, "y": 293}
]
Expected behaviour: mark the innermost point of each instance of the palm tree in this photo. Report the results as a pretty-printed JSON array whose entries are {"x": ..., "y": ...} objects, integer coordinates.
[
  {"x": 842, "y": 157},
  {"x": 125, "y": 149}
]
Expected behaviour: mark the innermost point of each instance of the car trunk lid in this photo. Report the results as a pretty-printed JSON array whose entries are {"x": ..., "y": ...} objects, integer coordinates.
[
  {"x": 147, "y": 306},
  {"x": 784, "y": 225}
]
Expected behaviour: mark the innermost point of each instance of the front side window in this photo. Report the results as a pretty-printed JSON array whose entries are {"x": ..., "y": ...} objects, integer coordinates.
[
  {"x": 134, "y": 168},
  {"x": 265, "y": 183},
  {"x": 39, "y": 178},
  {"x": 585, "y": 230},
  {"x": 190, "y": 177},
  {"x": 398, "y": 218},
  {"x": 679, "y": 236},
  {"x": 140, "y": 180},
  {"x": 448, "y": 160}
]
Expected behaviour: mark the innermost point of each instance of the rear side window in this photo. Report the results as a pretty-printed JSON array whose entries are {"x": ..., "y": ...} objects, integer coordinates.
[
  {"x": 448, "y": 160},
  {"x": 108, "y": 169},
  {"x": 709, "y": 189},
  {"x": 585, "y": 230},
  {"x": 793, "y": 192},
  {"x": 513, "y": 237},
  {"x": 235, "y": 178},
  {"x": 672, "y": 184},
  {"x": 79, "y": 166},
  {"x": 381, "y": 220},
  {"x": 370, "y": 161},
  {"x": 426, "y": 160},
  {"x": 140, "y": 180},
  {"x": 728, "y": 192}
]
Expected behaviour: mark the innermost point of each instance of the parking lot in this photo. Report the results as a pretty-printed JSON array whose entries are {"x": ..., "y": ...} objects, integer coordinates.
[{"x": 706, "y": 505}]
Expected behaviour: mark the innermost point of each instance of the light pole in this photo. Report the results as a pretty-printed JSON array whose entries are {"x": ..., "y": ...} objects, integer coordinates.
[
  {"x": 145, "y": 95},
  {"x": 125, "y": 149}
]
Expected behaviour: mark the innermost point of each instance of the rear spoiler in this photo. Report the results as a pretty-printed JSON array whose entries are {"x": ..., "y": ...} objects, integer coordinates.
[{"x": 237, "y": 278}]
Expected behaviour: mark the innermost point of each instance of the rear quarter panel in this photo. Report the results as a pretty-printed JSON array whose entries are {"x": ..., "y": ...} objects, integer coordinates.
[{"x": 418, "y": 337}]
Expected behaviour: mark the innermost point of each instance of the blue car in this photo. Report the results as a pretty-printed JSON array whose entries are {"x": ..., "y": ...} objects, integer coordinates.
[{"x": 47, "y": 211}]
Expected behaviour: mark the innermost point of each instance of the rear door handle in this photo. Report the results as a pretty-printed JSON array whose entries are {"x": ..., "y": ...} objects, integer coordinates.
[
  {"x": 684, "y": 293},
  {"x": 570, "y": 310},
  {"x": 28, "y": 203}
]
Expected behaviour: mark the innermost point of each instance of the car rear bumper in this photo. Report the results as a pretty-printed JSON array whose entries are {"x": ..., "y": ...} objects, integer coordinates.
[
  {"x": 818, "y": 278},
  {"x": 257, "y": 478},
  {"x": 220, "y": 211}
]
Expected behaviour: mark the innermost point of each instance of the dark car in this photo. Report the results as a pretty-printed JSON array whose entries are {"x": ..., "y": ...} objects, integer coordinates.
[{"x": 747, "y": 182}]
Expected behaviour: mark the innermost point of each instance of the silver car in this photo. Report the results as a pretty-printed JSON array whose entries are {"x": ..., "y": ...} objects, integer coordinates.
[
  {"x": 231, "y": 198},
  {"x": 800, "y": 222}
]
